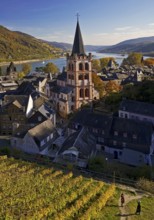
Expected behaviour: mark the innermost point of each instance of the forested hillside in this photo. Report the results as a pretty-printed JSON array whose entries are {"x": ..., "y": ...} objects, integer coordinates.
[{"x": 21, "y": 46}]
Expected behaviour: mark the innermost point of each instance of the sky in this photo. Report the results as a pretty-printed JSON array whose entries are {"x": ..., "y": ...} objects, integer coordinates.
[{"x": 102, "y": 22}]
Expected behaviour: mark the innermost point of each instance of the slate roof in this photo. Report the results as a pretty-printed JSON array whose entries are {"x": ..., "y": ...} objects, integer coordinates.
[
  {"x": 137, "y": 107},
  {"x": 82, "y": 141},
  {"x": 104, "y": 126},
  {"x": 62, "y": 76},
  {"x": 36, "y": 117},
  {"x": 142, "y": 130},
  {"x": 66, "y": 89},
  {"x": 26, "y": 88},
  {"x": 46, "y": 110},
  {"x": 22, "y": 99},
  {"x": 88, "y": 118},
  {"x": 61, "y": 89},
  {"x": 78, "y": 47},
  {"x": 42, "y": 131}
]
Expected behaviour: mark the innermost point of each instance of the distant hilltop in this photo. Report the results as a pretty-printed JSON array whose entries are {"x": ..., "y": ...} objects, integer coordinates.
[
  {"x": 143, "y": 45},
  {"x": 15, "y": 45}
]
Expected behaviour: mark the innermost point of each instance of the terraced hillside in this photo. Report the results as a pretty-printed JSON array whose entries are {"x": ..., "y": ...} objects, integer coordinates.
[{"x": 31, "y": 191}]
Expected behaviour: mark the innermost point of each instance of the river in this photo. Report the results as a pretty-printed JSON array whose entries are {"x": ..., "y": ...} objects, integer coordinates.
[{"x": 61, "y": 62}]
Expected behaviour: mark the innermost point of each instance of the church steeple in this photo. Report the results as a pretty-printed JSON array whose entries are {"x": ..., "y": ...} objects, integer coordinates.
[{"x": 78, "y": 47}]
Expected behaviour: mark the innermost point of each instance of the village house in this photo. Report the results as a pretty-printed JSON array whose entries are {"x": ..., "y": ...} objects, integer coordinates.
[
  {"x": 13, "y": 112},
  {"x": 126, "y": 140},
  {"x": 35, "y": 140},
  {"x": 132, "y": 109}
]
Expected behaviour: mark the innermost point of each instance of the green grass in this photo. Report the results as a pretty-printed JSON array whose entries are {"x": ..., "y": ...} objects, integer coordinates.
[{"x": 147, "y": 204}]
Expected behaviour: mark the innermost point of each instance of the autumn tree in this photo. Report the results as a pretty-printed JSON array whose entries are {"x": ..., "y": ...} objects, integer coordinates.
[
  {"x": 21, "y": 75},
  {"x": 133, "y": 59},
  {"x": 51, "y": 68},
  {"x": 26, "y": 68},
  {"x": 96, "y": 65},
  {"x": 148, "y": 62},
  {"x": 112, "y": 87},
  {"x": 98, "y": 84},
  {"x": 105, "y": 60}
]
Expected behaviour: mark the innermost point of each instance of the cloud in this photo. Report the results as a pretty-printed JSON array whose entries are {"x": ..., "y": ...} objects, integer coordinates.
[
  {"x": 151, "y": 24},
  {"x": 123, "y": 28},
  {"x": 100, "y": 34}
]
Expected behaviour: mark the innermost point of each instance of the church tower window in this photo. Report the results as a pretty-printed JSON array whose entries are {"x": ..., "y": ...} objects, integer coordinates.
[
  {"x": 86, "y": 76},
  {"x": 86, "y": 92},
  {"x": 86, "y": 66},
  {"x": 81, "y": 93},
  {"x": 80, "y": 66},
  {"x": 80, "y": 77}
]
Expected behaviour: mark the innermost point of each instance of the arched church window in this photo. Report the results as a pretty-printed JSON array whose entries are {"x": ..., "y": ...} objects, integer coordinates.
[
  {"x": 80, "y": 77},
  {"x": 86, "y": 76},
  {"x": 81, "y": 93},
  {"x": 87, "y": 92},
  {"x": 80, "y": 66},
  {"x": 69, "y": 66},
  {"x": 72, "y": 67},
  {"x": 86, "y": 66}
]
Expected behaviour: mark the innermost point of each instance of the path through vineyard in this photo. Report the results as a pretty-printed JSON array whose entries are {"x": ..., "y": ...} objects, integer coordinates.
[{"x": 124, "y": 213}]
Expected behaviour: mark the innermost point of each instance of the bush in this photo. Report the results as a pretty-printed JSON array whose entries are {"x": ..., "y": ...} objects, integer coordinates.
[
  {"x": 5, "y": 151},
  {"x": 146, "y": 185}
]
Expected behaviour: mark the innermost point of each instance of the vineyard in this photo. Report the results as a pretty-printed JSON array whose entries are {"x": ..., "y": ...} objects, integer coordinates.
[{"x": 31, "y": 191}]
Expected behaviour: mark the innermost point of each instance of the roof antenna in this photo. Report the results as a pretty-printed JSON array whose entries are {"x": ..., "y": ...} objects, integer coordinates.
[{"x": 77, "y": 15}]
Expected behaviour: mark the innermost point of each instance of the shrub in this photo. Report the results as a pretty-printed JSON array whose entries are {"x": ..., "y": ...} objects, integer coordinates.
[{"x": 146, "y": 185}]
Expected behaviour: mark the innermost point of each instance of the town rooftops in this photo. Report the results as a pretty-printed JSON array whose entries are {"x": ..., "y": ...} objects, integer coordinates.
[
  {"x": 62, "y": 76},
  {"x": 137, "y": 107},
  {"x": 61, "y": 89},
  {"x": 41, "y": 131},
  {"x": 136, "y": 134},
  {"x": 22, "y": 99}
]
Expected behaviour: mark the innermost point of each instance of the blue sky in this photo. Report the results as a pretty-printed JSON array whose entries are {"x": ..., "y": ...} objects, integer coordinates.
[{"x": 102, "y": 22}]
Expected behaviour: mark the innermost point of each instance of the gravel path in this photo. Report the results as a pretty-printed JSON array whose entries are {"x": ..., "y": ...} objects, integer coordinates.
[{"x": 124, "y": 214}]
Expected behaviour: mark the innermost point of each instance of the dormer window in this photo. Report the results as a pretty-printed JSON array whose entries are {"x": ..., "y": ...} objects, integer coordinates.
[
  {"x": 134, "y": 136},
  {"x": 124, "y": 144},
  {"x": 114, "y": 143},
  {"x": 125, "y": 134},
  {"x": 95, "y": 130},
  {"x": 39, "y": 118},
  {"x": 115, "y": 133}
]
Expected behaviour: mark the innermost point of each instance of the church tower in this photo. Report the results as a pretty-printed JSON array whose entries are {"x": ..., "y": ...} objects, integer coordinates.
[{"x": 79, "y": 72}]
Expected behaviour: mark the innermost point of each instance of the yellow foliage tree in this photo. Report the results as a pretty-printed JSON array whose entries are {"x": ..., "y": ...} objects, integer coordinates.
[
  {"x": 112, "y": 86},
  {"x": 98, "y": 84},
  {"x": 105, "y": 60},
  {"x": 96, "y": 65},
  {"x": 148, "y": 62},
  {"x": 26, "y": 68},
  {"x": 21, "y": 75}
]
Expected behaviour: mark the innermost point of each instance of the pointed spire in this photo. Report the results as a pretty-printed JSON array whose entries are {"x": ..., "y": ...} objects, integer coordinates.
[{"x": 78, "y": 47}]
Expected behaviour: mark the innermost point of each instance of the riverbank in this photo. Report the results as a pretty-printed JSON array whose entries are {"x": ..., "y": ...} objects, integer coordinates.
[
  {"x": 26, "y": 61},
  {"x": 19, "y": 62}
]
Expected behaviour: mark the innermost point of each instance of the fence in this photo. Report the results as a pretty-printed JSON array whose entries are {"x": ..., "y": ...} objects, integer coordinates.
[{"x": 89, "y": 173}]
